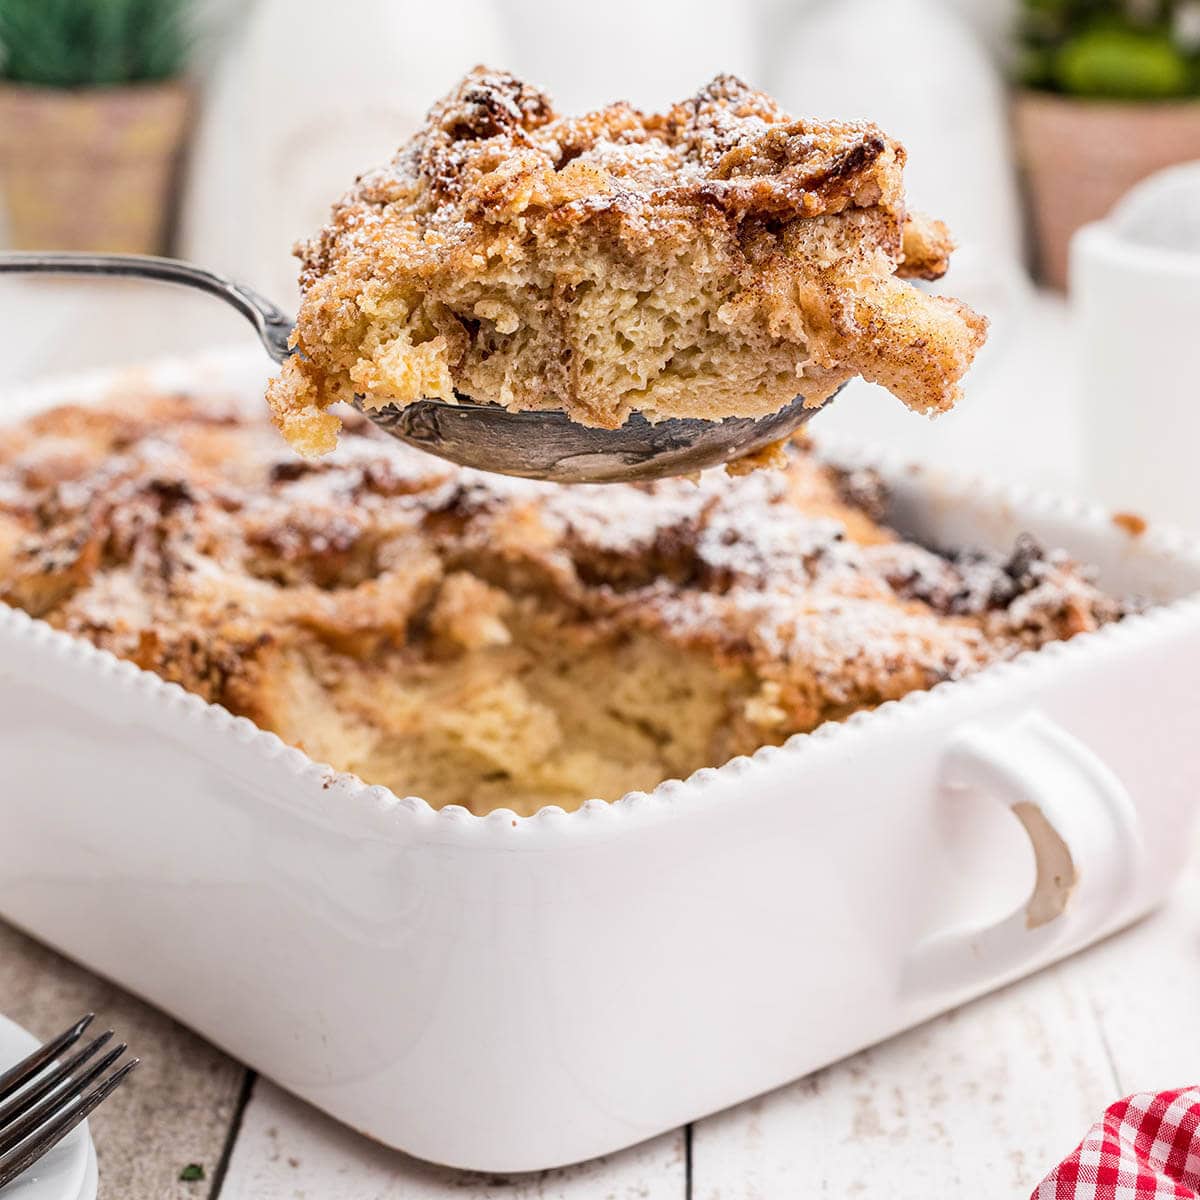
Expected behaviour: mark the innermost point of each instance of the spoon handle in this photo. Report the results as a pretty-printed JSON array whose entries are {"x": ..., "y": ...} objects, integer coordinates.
[{"x": 273, "y": 326}]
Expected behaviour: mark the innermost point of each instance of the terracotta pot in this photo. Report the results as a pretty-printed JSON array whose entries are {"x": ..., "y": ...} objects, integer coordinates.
[
  {"x": 1081, "y": 156},
  {"x": 92, "y": 169}
]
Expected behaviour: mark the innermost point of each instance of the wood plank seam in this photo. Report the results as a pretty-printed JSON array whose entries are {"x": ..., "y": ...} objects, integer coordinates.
[
  {"x": 1098, "y": 1017},
  {"x": 235, "y": 1128},
  {"x": 687, "y": 1162}
]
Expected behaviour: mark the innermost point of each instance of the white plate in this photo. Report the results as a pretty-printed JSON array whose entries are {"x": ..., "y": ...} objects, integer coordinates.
[{"x": 68, "y": 1172}]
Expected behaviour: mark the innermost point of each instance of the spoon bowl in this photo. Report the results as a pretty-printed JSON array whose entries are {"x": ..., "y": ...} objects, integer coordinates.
[{"x": 548, "y": 445}]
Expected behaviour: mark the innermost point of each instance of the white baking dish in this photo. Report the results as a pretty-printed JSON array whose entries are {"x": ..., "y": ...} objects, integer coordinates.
[{"x": 504, "y": 993}]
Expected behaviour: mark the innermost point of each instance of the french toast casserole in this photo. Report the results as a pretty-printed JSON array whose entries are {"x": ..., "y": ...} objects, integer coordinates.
[
  {"x": 490, "y": 642},
  {"x": 715, "y": 260}
]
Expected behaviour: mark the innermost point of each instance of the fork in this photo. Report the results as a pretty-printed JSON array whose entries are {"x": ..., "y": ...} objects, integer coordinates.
[{"x": 42, "y": 1099}]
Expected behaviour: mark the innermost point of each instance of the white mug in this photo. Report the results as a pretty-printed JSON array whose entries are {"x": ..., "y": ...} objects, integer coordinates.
[{"x": 1137, "y": 312}]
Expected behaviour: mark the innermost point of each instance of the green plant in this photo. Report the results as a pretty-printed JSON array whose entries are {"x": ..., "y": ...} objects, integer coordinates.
[
  {"x": 1111, "y": 49},
  {"x": 92, "y": 43}
]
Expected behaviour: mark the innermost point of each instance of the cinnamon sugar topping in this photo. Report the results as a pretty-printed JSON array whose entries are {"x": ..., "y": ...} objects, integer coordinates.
[
  {"x": 490, "y": 641},
  {"x": 714, "y": 260}
]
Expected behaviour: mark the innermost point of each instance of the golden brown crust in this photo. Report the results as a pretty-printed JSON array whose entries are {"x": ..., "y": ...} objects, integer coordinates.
[
  {"x": 488, "y": 641},
  {"x": 712, "y": 260},
  {"x": 926, "y": 248}
]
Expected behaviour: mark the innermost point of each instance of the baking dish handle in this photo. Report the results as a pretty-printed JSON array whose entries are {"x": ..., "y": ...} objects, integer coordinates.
[{"x": 1087, "y": 845}]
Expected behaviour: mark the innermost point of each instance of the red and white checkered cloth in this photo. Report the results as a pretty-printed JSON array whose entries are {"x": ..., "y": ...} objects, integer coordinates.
[{"x": 1146, "y": 1147}]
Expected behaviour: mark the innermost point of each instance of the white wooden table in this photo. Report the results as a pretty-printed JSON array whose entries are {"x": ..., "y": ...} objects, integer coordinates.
[{"x": 979, "y": 1103}]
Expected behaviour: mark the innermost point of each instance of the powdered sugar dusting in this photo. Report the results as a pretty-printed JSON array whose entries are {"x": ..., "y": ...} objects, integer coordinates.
[{"x": 157, "y": 527}]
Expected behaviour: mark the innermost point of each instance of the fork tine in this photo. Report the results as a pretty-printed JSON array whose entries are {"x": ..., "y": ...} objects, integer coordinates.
[
  {"x": 22, "y": 1156},
  {"x": 28, "y": 1067},
  {"x": 24, "y": 1100},
  {"x": 24, "y": 1125}
]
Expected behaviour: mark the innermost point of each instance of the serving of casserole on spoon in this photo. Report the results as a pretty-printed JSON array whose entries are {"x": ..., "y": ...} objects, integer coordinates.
[
  {"x": 720, "y": 264},
  {"x": 616, "y": 296}
]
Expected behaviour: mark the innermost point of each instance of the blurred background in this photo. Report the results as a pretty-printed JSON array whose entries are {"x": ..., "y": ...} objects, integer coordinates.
[{"x": 221, "y": 130}]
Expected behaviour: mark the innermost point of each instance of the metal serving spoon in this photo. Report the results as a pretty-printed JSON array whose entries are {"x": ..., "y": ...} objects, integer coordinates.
[{"x": 535, "y": 445}]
